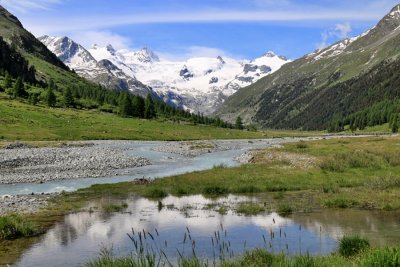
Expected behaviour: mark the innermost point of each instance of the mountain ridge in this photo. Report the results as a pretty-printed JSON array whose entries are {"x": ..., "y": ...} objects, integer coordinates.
[
  {"x": 198, "y": 84},
  {"x": 300, "y": 88}
]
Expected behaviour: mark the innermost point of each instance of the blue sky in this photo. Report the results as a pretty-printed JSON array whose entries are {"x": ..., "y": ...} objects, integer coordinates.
[{"x": 179, "y": 29}]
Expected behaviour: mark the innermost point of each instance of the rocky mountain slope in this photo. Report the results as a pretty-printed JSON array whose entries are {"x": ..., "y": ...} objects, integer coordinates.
[
  {"x": 341, "y": 79},
  {"x": 198, "y": 84},
  {"x": 85, "y": 65}
]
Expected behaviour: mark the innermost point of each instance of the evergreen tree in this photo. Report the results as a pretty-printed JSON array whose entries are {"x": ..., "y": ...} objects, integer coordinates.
[
  {"x": 68, "y": 98},
  {"x": 19, "y": 88},
  {"x": 125, "y": 106},
  {"x": 149, "y": 108},
  {"x": 138, "y": 107},
  {"x": 51, "y": 99},
  {"x": 395, "y": 124},
  {"x": 239, "y": 123},
  {"x": 33, "y": 98},
  {"x": 7, "y": 81}
]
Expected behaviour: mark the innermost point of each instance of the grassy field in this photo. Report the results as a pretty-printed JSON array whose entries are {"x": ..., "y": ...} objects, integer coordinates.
[{"x": 21, "y": 121}]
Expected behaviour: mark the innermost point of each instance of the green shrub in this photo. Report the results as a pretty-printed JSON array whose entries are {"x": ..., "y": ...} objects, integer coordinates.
[
  {"x": 302, "y": 145},
  {"x": 13, "y": 226},
  {"x": 332, "y": 165},
  {"x": 352, "y": 245}
]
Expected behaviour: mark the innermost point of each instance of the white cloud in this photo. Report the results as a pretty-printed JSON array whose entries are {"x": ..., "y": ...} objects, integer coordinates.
[
  {"x": 103, "y": 21},
  {"x": 101, "y": 38},
  {"x": 341, "y": 31},
  {"x": 26, "y": 5},
  {"x": 194, "y": 51}
]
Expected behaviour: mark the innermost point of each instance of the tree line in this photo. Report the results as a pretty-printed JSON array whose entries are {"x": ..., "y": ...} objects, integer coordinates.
[
  {"x": 387, "y": 111},
  {"x": 86, "y": 96}
]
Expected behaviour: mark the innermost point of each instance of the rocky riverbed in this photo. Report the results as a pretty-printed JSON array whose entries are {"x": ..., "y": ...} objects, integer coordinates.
[
  {"x": 23, "y": 203},
  {"x": 38, "y": 165}
]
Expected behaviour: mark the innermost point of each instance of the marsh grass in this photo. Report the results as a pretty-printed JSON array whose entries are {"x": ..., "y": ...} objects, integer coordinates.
[
  {"x": 14, "y": 226},
  {"x": 148, "y": 250},
  {"x": 215, "y": 190},
  {"x": 350, "y": 246},
  {"x": 155, "y": 193},
  {"x": 112, "y": 207},
  {"x": 250, "y": 209},
  {"x": 302, "y": 145},
  {"x": 285, "y": 209},
  {"x": 340, "y": 202}
]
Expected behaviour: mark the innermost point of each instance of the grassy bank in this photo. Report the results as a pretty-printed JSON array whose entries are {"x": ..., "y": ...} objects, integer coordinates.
[
  {"x": 21, "y": 121},
  {"x": 262, "y": 258}
]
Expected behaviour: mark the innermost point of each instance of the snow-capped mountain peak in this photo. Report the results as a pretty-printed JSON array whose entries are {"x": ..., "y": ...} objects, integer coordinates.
[
  {"x": 101, "y": 71},
  {"x": 200, "y": 84},
  {"x": 111, "y": 49}
]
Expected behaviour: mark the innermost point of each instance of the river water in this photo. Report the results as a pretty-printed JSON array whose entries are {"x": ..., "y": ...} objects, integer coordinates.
[{"x": 79, "y": 237}]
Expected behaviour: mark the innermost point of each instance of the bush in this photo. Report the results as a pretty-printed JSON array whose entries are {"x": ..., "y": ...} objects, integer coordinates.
[
  {"x": 302, "y": 145},
  {"x": 13, "y": 226},
  {"x": 332, "y": 165},
  {"x": 352, "y": 245}
]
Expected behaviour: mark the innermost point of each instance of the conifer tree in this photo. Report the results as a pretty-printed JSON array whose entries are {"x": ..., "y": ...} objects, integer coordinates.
[
  {"x": 68, "y": 98},
  {"x": 149, "y": 108},
  {"x": 395, "y": 124},
  {"x": 138, "y": 107},
  {"x": 51, "y": 99},
  {"x": 125, "y": 106},
  {"x": 239, "y": 123},
  {"x": 19, "y": 88},
  {"x": 7, "y": 81}
]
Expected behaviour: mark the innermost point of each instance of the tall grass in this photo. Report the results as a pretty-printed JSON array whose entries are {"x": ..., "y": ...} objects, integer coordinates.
[
  {"x": 13, "y": 226},
  {"x": 150, "y": 251},
  {"x": 352, "y": 245}
]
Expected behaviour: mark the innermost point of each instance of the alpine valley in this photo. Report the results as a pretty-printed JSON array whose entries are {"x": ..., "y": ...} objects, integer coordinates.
[
  {"x": 198, "y": 84},
  {"x": 353, "y": 81}
]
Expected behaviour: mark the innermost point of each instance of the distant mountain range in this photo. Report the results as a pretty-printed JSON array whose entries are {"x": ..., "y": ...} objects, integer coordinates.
[
  {"x": 342, "y": 79},
  {"x": 198, "y": 84}
]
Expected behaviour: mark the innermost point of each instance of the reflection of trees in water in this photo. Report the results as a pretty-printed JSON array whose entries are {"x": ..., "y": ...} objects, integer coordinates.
[{"x": 382, "y": 228}]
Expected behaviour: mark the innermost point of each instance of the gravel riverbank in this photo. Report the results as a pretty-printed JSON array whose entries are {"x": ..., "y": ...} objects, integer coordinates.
[{"x": 38, "y": 165}]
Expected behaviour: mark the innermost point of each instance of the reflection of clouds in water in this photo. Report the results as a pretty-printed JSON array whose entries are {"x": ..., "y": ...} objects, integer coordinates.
[
  {"x": 79, "y": 237},
  {"x": 144, "y": 215}
]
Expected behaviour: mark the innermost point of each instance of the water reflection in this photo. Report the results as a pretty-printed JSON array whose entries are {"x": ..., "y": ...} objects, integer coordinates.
[{"x": 79, "y": 237}]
